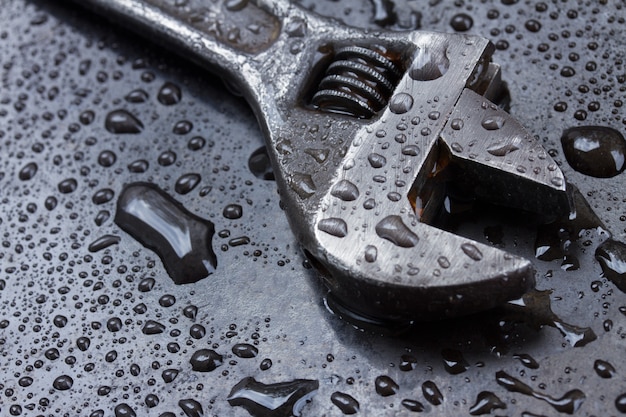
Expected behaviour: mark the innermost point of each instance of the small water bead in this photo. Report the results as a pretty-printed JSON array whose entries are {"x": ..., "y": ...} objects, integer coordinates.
[
  {"x": 169, "y": 375},
  {"x": 138, "y": 166},
  {"x": 401, "y": 103},
  {"x": 63, "y": 383},
  {"x": 245, "y": 350},
  {"x": 265, "y": 364},
  {"x": 597, "y": 151},
  {"x": 393, "y": 229},
  {"x": 461, "y": 22},
  {"x": 486, "y": 402},
  {"x": 232, "y": 211},
  {"x": 137, "y": 96},
  {"x": 187, "y": 182},
  {"x": 114, "y": 324},
  {"x": 431, "y": 393},
  {"x": 454, "y": 362},
  {"x": 103, "y": 196},
  {"x": 385, "y": 386},
  {"x": 456, "y": 124},
  {"x": 333, "y": 226},
  {"x": 107, "y": 158},
  {"x": 191, "y": 407},
  {"x": 371, "y": 253},
  {"x": 122, "y": 122},
  {"x": 493, "y": 122},
  {"x": 169, "y": 94},
  {"x": 167, "y": 300},
  {"x": 196, "y": 143},
  {"x": 604, "y": 369},
  {"x": 28, "y": 171},
  {"x": 620, "y": 403},
  {"x": 527, "y": 360},
  {"x": 413, "y": 405},
  {"x": 190, "y": 311},
  {"x": 87, "y": 117},
  {"x": 346, "y": 403},
  {"x": 67, "y": 186},
  {"x": 532, "y": 25},
  {"x": 166, "y": 158},
  {"x": 345, "y": 190},
  {"x": 259, "y": 164},
  {"x": 205, "y": 360},
  {"x": 376, "y": 160},
  {"x": 152, "y": 327},
  {"x": 182, "y": 127}
]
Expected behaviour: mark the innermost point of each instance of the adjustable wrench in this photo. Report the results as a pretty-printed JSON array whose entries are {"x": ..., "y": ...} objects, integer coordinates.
[{"x": 357, "y": 124}]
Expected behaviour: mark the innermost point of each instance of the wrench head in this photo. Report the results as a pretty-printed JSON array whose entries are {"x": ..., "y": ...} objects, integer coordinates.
[{"x": 366, "y": 222}]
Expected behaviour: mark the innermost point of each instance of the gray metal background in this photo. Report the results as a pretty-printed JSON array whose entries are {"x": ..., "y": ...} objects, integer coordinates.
[{"x": 59, "y": 61}]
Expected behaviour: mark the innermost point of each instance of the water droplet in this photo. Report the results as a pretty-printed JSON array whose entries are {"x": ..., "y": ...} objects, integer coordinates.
[
  {"x": 191, "y": 407},
  {"x": 431, "y": 393},
  {"x": 103, "y": 243},
  {"x": 385, "y": 386},
  {"x": 461, "y": 22},
  {"x": 151, "y": 327},
  {"x": 181, "y": 239},
  {"x": 138, "y": 166},
  {"x": 456, "y": 124},
  {"x": 493, "y": 122},
  {"x": 245, "y": 350},
  {"x": 569, "y": 403},
  {"x": 603, "y": 368},
  {"x": 333, "y": 226},
  {"x": 272, "y": 400},
  {"x": 612, "y": 257},
  {"x": 502, "y": 148},
  {"x": 102, "y": 196},
  {"x": 190, "y": 311},
  {"x": 265, "y": 364},
  {"x": 429, "y": 64},
  {"x": 320, "y": 155},
  {"x": 259, "y": 164},
  {"x": 371, "y": 253},
  {"x": 394, "y": 230},
  {"x": 369, "y": 204},
  {"x": 597, "y": 151},
  {"x": 302, "y": 184},
  {"x": 196, "y": 143},
  {"x": 620, "y": 403},
  {"x": 121, "y": 121},
  {"x": 63, "y": 383},
  {"x": 486, "y": 402},
  {"x": 28, "y": 171},
  {"x": 472, "y": 251},
  {"x": 413, "y": 405},
  {"x": 233, "y": 211},
  {"x": 167, "y": 158},
  {"x": 124, "y": 410},
  {"x": 107, "y": 158},
  {"x": 67, "y": 186},
  {"x": 527, "y": 360},
  {"x": 410, "y": 150},
  {"x": 205, "y": 360},
  {"x": 136, "y": 96},
  {"x": 182, "y": 127},
  {"x": 169, "y": 375},
  {"x": 345, "y": 190},
  {"x": 401, "y": 103},
  {"x": 454, "y": 362},
  {"x": 376, "y": 160},
  {"x": 169, "y": 94},
  {"x": 186, "y": 183},
  {"x": 346, "y": 403},
  {"x": 235, "y": 5}
]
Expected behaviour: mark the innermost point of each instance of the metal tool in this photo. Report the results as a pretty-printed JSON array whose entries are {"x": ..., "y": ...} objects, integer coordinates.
[{"x": 358, "y": 125}]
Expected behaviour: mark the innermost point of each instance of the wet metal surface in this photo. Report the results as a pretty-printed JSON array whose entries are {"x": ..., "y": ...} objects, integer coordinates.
[{"x": 92, "y": 324}]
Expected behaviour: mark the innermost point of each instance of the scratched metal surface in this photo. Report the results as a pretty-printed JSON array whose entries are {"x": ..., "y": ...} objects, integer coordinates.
[{"x": 65, "y": 309}]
